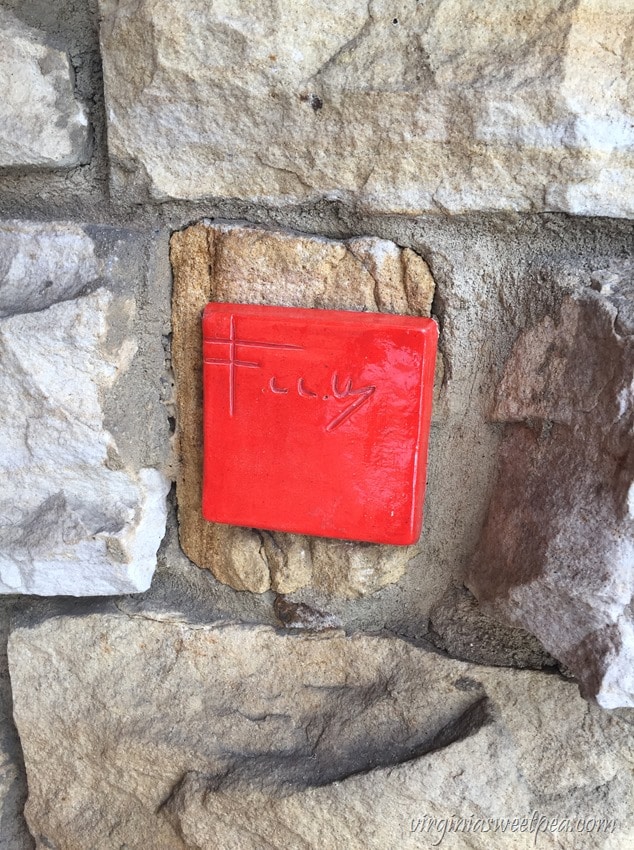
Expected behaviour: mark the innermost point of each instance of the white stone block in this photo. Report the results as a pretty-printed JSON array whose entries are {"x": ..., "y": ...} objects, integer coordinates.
[
  {"x": 75, "y": 518},
  {"x": 41, "y": 121}
]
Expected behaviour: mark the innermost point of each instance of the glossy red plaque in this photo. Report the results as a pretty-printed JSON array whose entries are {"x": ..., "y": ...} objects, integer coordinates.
[{"x": 317, "y": 421}]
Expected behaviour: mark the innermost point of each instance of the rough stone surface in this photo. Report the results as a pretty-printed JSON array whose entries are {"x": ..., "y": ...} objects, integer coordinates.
[
  {"x": 14, "y": 834},
  {"x": 249, "y": 265},
  {"x": 459, "y": 627},
  {"x": 518, "y": 106},
  {"x": 397, "y": 106},
  {"x": 41, "y": 121},
  {"x": 141, "y": 733},
  {"x": 41, "y": 265},
  {"x": 76, "y": 517},
  {"x": 556, "y": 554}
]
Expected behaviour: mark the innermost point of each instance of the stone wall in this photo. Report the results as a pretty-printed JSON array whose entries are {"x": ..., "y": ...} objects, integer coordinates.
[{"x": 171, "y": 683}]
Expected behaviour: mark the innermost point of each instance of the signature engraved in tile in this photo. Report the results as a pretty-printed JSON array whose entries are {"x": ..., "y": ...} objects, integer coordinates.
[
  {"x": 362, "y": 396},
  {"x": 359, "y": 396},
  {"x": 304, "y": 391}
]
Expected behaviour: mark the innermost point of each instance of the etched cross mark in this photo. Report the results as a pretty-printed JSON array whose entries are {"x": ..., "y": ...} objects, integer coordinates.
[{"x": 233, "y": 361}]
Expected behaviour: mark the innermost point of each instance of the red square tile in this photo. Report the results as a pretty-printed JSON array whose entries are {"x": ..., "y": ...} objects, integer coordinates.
[{"x": 317, "y": 421}]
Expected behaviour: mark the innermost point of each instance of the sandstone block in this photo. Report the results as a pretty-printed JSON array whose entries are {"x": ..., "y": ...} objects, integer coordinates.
[
  {"x": 145, "y": 733},
  {"x": 250, "y": 265},
  {"x": 556, "y": 555}
]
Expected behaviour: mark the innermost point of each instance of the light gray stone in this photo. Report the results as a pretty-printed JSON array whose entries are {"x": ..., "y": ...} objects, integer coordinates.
[
  {"x": 395, "y": 106},
  {"x": 41, "y": 265},
  {"x": 41, "y": 121},
  {"x": 145, "y": 733},
  {"x": 556, "y": 555},
  {"x": 75, "y": 517}
]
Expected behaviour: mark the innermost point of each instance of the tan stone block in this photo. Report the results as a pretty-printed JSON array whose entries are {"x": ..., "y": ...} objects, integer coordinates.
[{"x": 251, "y": 265}]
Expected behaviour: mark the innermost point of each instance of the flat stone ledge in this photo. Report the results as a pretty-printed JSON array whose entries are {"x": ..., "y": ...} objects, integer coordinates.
[{"x": 177, "y": 736}]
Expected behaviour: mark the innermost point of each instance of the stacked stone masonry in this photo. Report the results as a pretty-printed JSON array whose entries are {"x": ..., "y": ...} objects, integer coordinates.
[{"x": 243, "y": 688}]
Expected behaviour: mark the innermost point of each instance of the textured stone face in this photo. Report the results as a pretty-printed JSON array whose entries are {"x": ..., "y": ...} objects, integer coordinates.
[
  {"x": 399, "y": 106},
  {"x": 557, "y": 552},
  {"x": 76, "y": 518},
  {"x": 41, "y": 122},
  {"x": 248, "y": 265},
  {"x": 171, "y": 735},
  {"x": 13, "y": 831}
]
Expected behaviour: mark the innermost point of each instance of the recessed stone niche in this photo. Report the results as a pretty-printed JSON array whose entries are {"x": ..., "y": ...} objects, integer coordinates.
[{"x": 243, "y": 264}]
